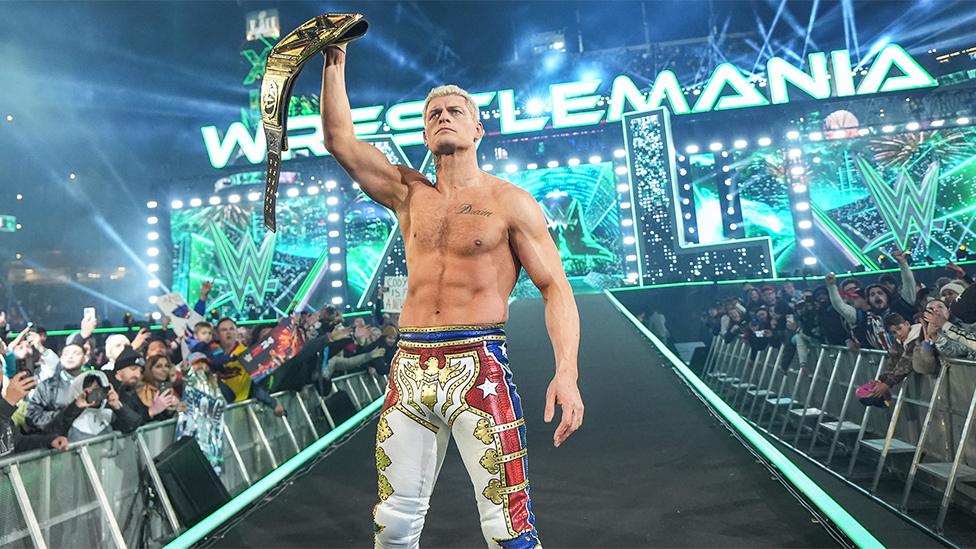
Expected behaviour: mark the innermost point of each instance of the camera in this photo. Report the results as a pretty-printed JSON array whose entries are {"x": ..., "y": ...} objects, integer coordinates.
[{"x": 97, "y": 395}]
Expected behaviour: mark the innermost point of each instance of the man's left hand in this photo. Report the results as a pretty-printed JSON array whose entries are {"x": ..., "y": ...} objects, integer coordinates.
[{"x": 564, "y": 392}]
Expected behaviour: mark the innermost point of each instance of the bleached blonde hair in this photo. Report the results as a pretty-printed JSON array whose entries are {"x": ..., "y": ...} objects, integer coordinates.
[{"x": 451, "y": 89}]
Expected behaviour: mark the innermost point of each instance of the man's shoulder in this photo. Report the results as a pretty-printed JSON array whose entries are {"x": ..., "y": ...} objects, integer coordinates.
[{"x": 510, "y": 195}]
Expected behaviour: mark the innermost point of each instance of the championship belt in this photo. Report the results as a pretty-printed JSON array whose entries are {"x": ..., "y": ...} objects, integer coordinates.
[{"x": 284, "y": 64}]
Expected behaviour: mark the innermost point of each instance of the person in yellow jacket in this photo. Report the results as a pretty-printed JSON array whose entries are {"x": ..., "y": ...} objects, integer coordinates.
[{"x": 234, "y": 376}]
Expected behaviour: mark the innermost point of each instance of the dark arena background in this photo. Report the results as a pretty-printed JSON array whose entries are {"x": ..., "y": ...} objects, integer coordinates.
[{"x": 765, "y": 211}]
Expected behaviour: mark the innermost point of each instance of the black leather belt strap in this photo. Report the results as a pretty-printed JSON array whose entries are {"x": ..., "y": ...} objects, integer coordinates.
[{"x": 284, "y": 64}]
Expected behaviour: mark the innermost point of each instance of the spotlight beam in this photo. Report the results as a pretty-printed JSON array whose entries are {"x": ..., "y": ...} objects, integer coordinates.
[
  {"x": 769, "y": 33},
  {"x": 813, "y": 17}
]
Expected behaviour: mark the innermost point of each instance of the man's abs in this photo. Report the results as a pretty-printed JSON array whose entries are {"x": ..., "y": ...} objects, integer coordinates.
[{"x": 453, "y": 291}]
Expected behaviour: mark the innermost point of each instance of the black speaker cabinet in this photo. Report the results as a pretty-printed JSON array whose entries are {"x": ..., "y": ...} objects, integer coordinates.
[
  {"x": 340, "y": 406},
  {"x": 193, "y": 487}
]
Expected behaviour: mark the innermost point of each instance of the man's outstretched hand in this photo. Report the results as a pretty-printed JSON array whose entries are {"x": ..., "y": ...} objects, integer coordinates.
[{"x": 564, "y": 392}]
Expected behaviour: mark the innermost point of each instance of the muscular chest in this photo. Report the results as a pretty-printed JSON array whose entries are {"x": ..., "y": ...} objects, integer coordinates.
[{"x": 459, "y": 226}]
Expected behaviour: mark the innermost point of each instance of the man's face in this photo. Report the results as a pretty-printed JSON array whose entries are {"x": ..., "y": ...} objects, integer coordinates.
[
  {"x": 769, "y": 296},
  {"x": 358, "y": 322},
  {"x": 450, "y": 125},
  {"x": 789, "y": 288},
  {"x": 227, "y": 333},
  {"x": 156, "y": 348},
  {"x": 900, "y": 331},
  {"x": 129, "y": 375},
  {"x": 849, "y": 286},
  {"x": 72, "y": 357},
  {"x": 878, "y": 298}
]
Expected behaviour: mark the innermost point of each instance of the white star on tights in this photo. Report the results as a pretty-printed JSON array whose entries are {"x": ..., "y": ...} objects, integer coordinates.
[{"x": 488, "y": 388}]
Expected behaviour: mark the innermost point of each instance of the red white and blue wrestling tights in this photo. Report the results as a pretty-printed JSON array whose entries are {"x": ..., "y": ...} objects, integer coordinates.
[{"x": 452, "y": 381}]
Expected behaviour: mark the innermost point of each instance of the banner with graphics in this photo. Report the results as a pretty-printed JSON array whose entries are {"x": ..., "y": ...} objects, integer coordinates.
[
  {"x": 182, "y": 318},
  {"x": 265, "y": 356},
  {"x": 203, "y": 419}
]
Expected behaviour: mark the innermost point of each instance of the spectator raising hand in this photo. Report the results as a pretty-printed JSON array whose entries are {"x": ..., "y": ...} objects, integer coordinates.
[{"x": 18, "y": 387}]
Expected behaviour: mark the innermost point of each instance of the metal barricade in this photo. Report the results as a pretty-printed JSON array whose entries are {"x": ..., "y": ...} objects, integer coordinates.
[
  {"x": 950, "y": 465},
  {"x": 93, "y": 495},
  {"x": 931, "y": 417}
]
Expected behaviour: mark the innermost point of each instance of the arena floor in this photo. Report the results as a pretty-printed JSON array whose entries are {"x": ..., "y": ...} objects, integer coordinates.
[{"x": 651, "y": 466}]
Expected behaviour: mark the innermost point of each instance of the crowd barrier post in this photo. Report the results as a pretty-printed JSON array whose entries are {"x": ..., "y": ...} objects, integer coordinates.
[
  {"x": 864, "y": 420},
  {"x": 264, "y": 439},
  {"x": 957, "y": 471},
  {"x": 308, "y": 417},
  {"x": 291, "y": 434},
  {"x": 712, "y": 349},
  {"x": 806, "y": 411},
  {"x": 23, "y": 501},
  {"x": 746, "y": 382},
  {"x": 237, "y": 455},
  {"x": 720, "y": 371},
  {"x": 891, "y": 445},
  {"x": 795, "y": 392},
  {"x": 167, "y": 505},
  {"x": 831, "y": 384},
  {"x": 738, "y": 367},
  {"x": 844, "y": 426},
  {"x": 101, "y": 496},
  {"x": 920, "y": 445},
  {"x": 759, "y": 392}
]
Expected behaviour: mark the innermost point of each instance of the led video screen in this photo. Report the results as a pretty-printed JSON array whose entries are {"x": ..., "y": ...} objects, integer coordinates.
[{"x": 256, "y": 273}]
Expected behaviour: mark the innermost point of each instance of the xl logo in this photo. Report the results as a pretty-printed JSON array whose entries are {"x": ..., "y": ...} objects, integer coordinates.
[
  {"x": 906, "y": 207},
  {"x": 246, "y": 268}
]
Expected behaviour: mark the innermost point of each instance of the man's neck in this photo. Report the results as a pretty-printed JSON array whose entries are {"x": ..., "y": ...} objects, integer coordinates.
[
  {"x": 457, "y": 170},
  {"x": 229, "y": 347}
]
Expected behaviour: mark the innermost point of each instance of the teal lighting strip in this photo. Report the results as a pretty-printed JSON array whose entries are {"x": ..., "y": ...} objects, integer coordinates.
[
  {"x": 258, "y": 489},
  {"x": 833, "y": 510}
]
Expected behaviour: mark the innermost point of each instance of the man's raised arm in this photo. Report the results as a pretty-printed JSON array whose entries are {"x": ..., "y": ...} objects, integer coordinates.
[
  {"x": 538, "y": 254},
  {"x": 381, "y": 180}
]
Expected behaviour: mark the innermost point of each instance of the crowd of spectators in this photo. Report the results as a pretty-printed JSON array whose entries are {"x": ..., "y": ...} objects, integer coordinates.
[
  {"x": 916, "y": 324},
  {"x": 53, "y": 397}
]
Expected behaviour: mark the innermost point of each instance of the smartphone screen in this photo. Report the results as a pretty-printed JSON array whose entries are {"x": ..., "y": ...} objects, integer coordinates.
[{"x": 89, "y": 312}]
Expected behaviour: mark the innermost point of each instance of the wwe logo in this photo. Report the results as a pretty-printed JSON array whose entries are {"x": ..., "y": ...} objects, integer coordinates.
[
  {"x": 906, "y": 207},
  {"x": 245, "y": 267}
]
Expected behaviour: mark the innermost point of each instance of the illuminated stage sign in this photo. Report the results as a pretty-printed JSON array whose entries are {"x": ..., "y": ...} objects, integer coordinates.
[{"x": 577, "y": 103}]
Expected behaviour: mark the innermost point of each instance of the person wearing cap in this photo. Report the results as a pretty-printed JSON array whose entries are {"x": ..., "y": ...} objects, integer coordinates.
[
  {"x": 951, "y": 291},
  {"x": 126, "y": 378},
  {"x": 956, "y": 323}
]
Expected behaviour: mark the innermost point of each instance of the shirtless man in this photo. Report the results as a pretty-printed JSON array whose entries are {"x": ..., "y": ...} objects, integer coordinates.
[{"x": 466, "y": 239}]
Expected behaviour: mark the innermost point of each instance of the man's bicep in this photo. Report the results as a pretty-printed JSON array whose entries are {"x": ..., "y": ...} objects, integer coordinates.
[
  {"x": 534, "y": 246},
  {"x": 372, "y": 170}
]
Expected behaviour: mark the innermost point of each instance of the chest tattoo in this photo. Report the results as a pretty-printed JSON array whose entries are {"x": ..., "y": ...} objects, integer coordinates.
[{"x": 468, "y": 209}]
